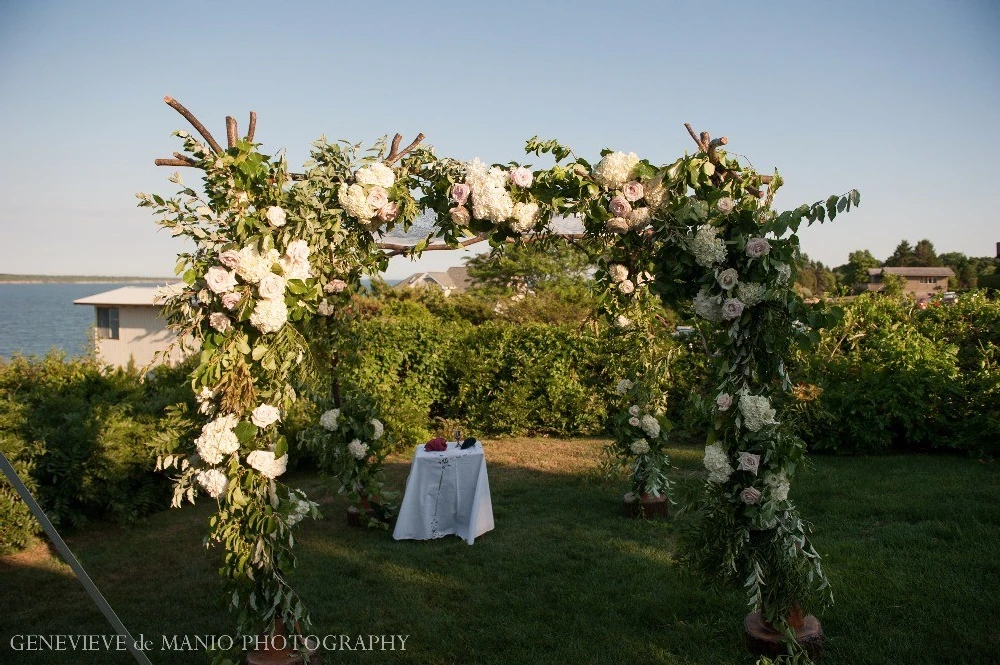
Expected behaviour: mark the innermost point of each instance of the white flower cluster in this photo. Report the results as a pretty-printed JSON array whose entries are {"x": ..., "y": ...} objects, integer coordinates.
[
  {"x": 757, "y": 411},
  {"x": 206, "y": 405},
  {"x": 615, "y": 169},
  {"x": 706, "y": 245},
  {"x": 252, "y": 265},
  {"x": 779, "y": 485},
  {"x": 717, "y": 463},
  {"x": 303, "y": 507},
  {"x": 329, "y": 420},
  {"x": 617, "y": 272},
  {"x": 784, "y": 273},
  {"x": 269, "y": 315},
  {"x": 707, "y": 306},
  {"x": 751, "y": 293},
  {"x": 368, "y": 197},
  {"x": 295, "y": 262},
  {"x": 525, "y": 217},
  {"x": 640, "y": 446},
  {"x": 217, "y": 439},
  {"x": 623, "y": 386},
  {"x": 267, "y": 464},
  {"x": 213, "y": 481},
  {"x": 655, "y": 193},
  {"x": 379, "y": 428},
  {"x": 357, "y": 449},
  {"x": 490, "y": 198},
  {"x": 650, "y": 425}
]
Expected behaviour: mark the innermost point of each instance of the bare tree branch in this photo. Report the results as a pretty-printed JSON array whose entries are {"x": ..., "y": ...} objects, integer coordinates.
[
  {"x": 231, "y": 132},
  {"x": 395, "y": 154},
  {"x": 207, "y": 135},
  {"x": 253, "y": 126}
]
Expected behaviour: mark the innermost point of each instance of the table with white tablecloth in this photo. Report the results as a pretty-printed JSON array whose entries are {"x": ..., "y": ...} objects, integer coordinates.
[{"x": 447, "y": 493}]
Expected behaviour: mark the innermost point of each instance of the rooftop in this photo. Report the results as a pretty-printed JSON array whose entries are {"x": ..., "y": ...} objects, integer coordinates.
[
  {"x": 139, "y": 296},
  {"x": 940, "y": 271}
]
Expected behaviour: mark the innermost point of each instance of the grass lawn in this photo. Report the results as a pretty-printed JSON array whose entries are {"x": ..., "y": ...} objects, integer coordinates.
[{"x": 909, "y": 543}]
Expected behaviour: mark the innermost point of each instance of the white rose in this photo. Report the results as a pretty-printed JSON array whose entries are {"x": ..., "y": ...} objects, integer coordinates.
[
  {"x": 220, "y": 280},
  {"x": 725, "y": 205},
  {"x": 271, "y": 287},
  {"x": 298, "y": 251},
  {"x": 633, "y": 421},
  {"x": 378, "y": 198},
  {"x": 728, "y": 278},
  {"x": 264, "y": 415},
  {"x": 276, "y": 216},
  {"x": 265, "y": 463},
  {"x": 627, "y": 287},
  {"x": 633, "y": 190},
  {"x": 633, "y": 410},
  {"x": 460, "y": 216},
  {"x": 617, "y": 272},
  {"x": 521, "y": 177}
]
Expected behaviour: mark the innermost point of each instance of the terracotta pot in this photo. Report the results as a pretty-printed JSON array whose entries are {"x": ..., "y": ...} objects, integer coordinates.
[
  {"x": 646, "y": 506},
  {"x": 275, "y": 649},
  {"x": 761, "y": 638}
]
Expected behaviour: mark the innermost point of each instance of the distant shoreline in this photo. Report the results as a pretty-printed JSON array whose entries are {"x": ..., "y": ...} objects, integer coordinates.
[{"x": 82, "y": 279}]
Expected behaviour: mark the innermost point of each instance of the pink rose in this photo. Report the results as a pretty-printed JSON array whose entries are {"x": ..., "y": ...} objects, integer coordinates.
[
  {"x": 335, "y": 286},
  {"x": 724, "y": 401},
  {"x": 521, "y": 177},
  {"x": 620, "y": 207},
  {"x": 732, "y": 309},
  {"x": 231, "y": 300},
  {"x": 460, "y": 216},
  {"x": 757, "y": 247},
  {"x": 750, "y": 496},
  {"x": 220, "y": 280},
  {"x": 633, "y": 190},
  {"x": 460, "y": 193},
  {"x": 749, "y": 462},
  {"x": 220, "y": 322},
  {"x": 388, "y": 212},
  {"x": 230, "y": 258},
  {"x": 378, "y": 198}
]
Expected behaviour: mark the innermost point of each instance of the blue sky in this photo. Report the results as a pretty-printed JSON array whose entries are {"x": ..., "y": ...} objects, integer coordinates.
[{"x": 897, "y": 99}]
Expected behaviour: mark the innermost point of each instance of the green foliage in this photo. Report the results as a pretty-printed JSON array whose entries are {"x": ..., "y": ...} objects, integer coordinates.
[
  {"x": 554, "y": 262},
  {"x": 893, "y": 376},
  {"x": 80, "y": 439}
]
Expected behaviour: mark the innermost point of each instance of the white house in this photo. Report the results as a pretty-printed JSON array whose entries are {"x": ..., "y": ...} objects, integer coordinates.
[
  {"x": 129, "y": 327},
  {"x": 455, "y": 280}
]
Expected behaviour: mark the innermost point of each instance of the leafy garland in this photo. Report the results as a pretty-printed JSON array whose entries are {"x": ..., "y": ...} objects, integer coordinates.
[{"x": 264, "y": 294}]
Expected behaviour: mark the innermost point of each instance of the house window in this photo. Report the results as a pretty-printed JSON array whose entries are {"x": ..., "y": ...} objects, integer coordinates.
[
  {"x": 107, "y": 323},
  {"x": 928, "y": 280}
]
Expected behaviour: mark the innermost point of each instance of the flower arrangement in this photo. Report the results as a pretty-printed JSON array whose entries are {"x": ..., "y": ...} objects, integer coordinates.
[{"x": 275, "y": 258}]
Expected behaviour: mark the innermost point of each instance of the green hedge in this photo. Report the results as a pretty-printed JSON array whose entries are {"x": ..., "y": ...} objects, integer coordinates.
[{"x": 79, "y": 439}]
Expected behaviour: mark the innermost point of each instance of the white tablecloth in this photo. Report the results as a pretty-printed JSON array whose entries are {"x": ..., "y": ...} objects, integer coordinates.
[{"x": 447, "y": 493}]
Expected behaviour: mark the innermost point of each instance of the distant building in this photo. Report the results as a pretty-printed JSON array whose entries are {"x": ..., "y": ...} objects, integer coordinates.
[
  {"x": 921, "y": 283},
  {"x": 129, "y": 327},
  {"x": 455, "y": 280}
]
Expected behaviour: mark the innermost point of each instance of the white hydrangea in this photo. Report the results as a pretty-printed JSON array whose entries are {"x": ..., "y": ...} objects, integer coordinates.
[
  {"x": 354, "y": 200},
  {"x": 266, "y": 464},
  {"x": 623, "y": 386},
  {"x": 329, "y": 420},
  {"x": 357, "y": 449},
  {"x": 264, "y": 415},
  {"x": 376, "y": 174},
  {"x": 784, "y": 273},
  {"x": 525, "y": 217},
  {"x": 640, "y": 446},
  {"x": 269, "y": 315},
  {"x": 253, "y": 266},
  {"x": 650, "y": 425},
  {"x": 217, "y": 439},
  {"x": 707, "y": 306},
  {"x": 757, "y": 411},
  {"x": 213, "y": 481},
  {"x": 379, "y": 428},
  {"x": 205, "y": 404},
  {"x": 490, "y": 198},
  {"x": 779, "y": 485},
  {"x": 655, "y": 193},
  {"x": 295, "y": 262},
  {"x": 615, "y": 169},
  {"x": 324, "y": 308},
  {"x": 708, "y": 248},
  {"x": 617, "y": 272},
  {"x": 717, "y": 463},
  {"x": 751, "y": 293},
  {"x": 639, "y": 218},
  {"x": 303, "y": 507},
  {"x": 622, "y": 321}
]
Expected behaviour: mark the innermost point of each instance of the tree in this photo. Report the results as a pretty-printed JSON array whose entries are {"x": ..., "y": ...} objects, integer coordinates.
[
  {"x": 856, "y": 270},
  {"x": 903, "y": 256},
  {"x": 814, "y": 278},
  {"x": 924, "y": 254},
  {"x": 532, "y": 265}
]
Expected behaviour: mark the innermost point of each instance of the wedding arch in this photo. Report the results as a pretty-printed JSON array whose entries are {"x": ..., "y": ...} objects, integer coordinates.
[{"x": 276, "y": 252}]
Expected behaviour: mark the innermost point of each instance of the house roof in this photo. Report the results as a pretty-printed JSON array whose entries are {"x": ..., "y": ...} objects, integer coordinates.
[
  {"x": 138, "y": 296},
  {"x": 940, "y": 271},
  {"x": 456, "y": 278}
]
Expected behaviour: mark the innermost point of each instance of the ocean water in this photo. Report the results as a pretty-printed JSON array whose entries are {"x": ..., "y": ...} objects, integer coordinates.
[{"x": 36, "y": 318}]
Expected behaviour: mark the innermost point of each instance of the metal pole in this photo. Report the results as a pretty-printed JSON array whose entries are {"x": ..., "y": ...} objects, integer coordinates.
[{"x": 68, "y": 557}]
